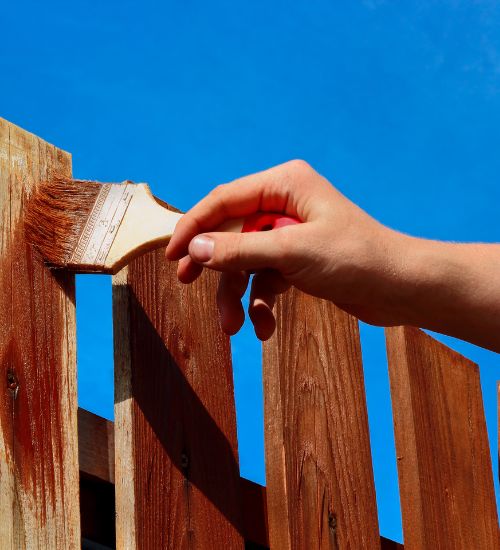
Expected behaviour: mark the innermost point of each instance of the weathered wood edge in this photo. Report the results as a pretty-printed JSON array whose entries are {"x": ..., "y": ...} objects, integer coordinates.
[{"x": 123, "y": 410}]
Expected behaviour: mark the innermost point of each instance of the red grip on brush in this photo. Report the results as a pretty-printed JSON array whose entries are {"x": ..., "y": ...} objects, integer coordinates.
[{"x": 265, "y": 222}]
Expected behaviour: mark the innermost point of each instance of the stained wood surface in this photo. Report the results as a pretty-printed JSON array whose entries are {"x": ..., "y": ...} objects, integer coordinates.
[
  {"x": 444, "y": 464},
  {"x": 320, "y": 489},
  {"x": 38, "y": 430},
  {"x": 175, "y": 423}
]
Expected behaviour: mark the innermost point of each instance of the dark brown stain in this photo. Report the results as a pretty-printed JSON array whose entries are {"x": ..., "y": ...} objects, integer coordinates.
[{"x": 32, "y": 365}]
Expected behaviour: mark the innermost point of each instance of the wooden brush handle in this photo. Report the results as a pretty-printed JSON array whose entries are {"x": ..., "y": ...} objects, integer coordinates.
[{"x": 148, "y": 224}]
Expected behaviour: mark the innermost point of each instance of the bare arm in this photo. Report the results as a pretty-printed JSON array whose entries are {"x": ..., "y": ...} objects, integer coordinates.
[{"x": 339, "y": 253}]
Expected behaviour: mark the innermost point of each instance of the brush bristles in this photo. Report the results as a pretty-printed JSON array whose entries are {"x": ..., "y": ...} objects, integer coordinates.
[{"x": 56, "y": 215}]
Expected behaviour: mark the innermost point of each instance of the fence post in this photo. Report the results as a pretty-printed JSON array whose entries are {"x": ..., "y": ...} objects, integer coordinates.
[
  {"x": 176, "y": 468},
  {"x": 320, "y": 488},
  {"x": 38, "y": 405}
]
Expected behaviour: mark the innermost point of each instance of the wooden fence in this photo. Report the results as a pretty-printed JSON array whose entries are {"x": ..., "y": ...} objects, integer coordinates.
[{"x": 165, "y": 474}]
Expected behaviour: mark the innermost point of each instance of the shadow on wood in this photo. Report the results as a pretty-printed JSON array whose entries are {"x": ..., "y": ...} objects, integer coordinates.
[
  {"x": 175, "y": 402},
  {"x": 188, "y": 435}
]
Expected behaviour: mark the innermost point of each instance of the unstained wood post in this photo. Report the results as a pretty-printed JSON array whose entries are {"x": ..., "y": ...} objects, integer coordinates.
[
  {"x": 320, "y": 489},
  {"x": 444, "y": 463},
  {"x": 176, "y": 466},
  {"x": 38, "y": 406}
]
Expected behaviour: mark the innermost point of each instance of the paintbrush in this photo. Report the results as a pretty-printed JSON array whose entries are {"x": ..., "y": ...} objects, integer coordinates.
[{"x": 92, "y": 227}]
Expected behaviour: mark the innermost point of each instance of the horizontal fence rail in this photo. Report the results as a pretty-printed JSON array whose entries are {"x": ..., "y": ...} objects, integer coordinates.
[{"x": 165, "y": 474}]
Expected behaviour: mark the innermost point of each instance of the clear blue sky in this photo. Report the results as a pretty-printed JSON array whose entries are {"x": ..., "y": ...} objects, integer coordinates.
[{"x": 398, "y": 103}]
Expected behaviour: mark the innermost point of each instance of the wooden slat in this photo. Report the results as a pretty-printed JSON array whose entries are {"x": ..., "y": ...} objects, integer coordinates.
[
  {"x": 444, "y": 464},
  {"x": 38, "y": 435},
  {"x": 320, "y": 488},
  {"x": 175, "y": 429}
]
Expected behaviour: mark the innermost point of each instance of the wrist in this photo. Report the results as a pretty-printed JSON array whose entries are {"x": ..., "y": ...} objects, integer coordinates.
[{"x": 426, "y": 281}]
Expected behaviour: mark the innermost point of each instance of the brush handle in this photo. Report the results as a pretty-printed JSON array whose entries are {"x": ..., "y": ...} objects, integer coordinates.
[{"x": 147, "y": 224}]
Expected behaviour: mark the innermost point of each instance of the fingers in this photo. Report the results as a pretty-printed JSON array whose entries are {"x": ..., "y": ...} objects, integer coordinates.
[
  {"x": 265, "y": 286},
  {"x": 264, "y": 191},
  {"x": 232, "y": 286},
  {"x": 241, "y": 251},
  {"x": 188, "y": 271}
]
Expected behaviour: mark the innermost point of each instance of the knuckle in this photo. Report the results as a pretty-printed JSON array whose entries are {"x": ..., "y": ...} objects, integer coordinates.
[
  {"x": 218, "y": 190},
  {"x": 299, "y": 166}
]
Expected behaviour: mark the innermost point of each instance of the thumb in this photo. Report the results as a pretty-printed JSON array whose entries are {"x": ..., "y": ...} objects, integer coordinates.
[{"x": 238, "y": 251}]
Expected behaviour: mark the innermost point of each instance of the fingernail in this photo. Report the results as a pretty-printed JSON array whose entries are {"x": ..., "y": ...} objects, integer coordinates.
[{"x": 201, "y": 248}]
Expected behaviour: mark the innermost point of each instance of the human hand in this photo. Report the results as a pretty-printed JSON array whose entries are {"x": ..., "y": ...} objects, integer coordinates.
[{"x": 338, "y": 252}]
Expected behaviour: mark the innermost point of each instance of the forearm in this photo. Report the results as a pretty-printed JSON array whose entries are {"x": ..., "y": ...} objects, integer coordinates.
[{"x": 451, "y": 288}]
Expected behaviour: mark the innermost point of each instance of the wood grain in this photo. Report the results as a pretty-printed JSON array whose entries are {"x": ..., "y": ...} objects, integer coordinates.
[
  {"x": 175, "y": 428},
  {"x": 38, "y": 431},
  {"x": 444, "y": 464},
  {"x": 320, "y": 489}
]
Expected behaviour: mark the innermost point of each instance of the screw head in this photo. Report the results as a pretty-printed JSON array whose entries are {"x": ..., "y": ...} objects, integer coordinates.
[{"x": 12, "y": 382}]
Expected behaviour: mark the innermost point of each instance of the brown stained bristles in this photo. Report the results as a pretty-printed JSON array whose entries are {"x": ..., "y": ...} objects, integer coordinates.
[{"x": 56, "y": 215}]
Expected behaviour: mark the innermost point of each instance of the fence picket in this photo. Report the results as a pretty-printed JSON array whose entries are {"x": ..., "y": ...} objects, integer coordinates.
[
  {"x": 176, "y": 468},
  {"x": 444, "y": 464},
  {"x": 320, "y": 488},
  {"x": 38, "y": 406}
]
